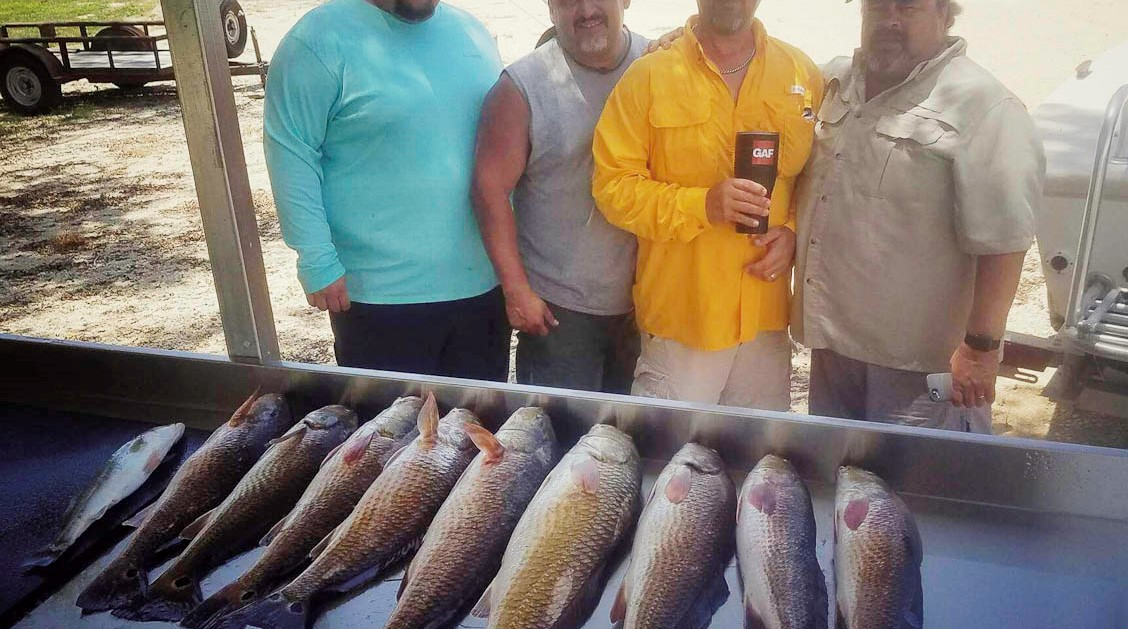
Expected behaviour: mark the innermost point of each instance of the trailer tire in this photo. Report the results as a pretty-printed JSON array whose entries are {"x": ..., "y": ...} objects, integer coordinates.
[
  {"x": 27, "y": 86},
  {"x": 234, "y": 24}
]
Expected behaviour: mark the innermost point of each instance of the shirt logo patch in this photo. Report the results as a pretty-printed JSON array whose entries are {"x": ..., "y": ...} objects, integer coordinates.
[{"x": 798, "y": 90}]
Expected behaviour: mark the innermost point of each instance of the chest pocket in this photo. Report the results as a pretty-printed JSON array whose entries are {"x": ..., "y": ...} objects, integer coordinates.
[
  {"x": 681, "y": 130},
  {"x": 911, "y": 163}
]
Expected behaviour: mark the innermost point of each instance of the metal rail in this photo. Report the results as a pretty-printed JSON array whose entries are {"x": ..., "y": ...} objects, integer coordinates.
[
  {"x": 211, "y": 124},
  {"x": 1076, "y": 311}
]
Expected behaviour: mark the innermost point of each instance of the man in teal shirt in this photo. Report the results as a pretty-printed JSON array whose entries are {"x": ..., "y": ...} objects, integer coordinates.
[{"x": 371, "y": 114}]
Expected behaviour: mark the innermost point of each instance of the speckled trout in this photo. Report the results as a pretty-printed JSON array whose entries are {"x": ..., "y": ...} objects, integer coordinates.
[
  {"x": 554, "y": 568},
  {"x": 877, "y": 555},
  {"x": 784, "y": 587},
  {"x": 676, "y": 577},
  {"x": 199, "y": 485}
]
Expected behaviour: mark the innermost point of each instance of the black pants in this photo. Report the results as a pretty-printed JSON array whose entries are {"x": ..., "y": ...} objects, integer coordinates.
[{"x": 466, "y": 338}]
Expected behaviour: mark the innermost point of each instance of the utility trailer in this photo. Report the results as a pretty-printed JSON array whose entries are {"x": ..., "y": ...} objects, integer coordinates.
[
  {"x": 1083, "y": 232},
  {"x": 128, "y": 54}
]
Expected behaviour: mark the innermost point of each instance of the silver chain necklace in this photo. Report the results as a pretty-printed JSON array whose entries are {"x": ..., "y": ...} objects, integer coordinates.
[{"x": 741, "y": 66}]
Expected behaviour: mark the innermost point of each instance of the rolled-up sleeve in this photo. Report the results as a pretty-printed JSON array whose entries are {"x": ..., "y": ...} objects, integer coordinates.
[
  {"x": 999, "y": 171},
  {"x": 623, "y": 187},
  {"x": 300, "y": 96}
]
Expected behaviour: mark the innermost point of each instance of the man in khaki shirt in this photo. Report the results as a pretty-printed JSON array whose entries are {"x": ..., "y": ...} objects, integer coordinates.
[{"x": 915, "y": 214}]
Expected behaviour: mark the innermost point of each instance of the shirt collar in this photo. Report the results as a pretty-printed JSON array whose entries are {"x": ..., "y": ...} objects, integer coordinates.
[{"x": 692, "y": 46}]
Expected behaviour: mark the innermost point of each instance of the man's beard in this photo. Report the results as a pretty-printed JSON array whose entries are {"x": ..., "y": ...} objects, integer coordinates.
[
  {"x": 596, "y": 45},
  {"x": 728, "y": 22},
  {"x": 405, "y": 10},
  {"x": 887, "y": 54}
]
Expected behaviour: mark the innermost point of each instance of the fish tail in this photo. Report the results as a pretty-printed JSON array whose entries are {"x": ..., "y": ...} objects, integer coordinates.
[
  {"x": 41, "y": 559},
  {"x": 169, "y": 599},
  {"x": 231, "y": 597},
  {"x": 123, "y": 583},
  {"x": 273, "y": 612}
]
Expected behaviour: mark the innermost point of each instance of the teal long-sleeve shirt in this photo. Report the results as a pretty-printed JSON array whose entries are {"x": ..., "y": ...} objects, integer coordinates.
[{"x": 370, "y": 125}]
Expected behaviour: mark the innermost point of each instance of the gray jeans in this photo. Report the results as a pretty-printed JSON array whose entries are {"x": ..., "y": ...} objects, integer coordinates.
[
  {"x": 851, "y": 389},
  {"x": 586, "y": 352}
]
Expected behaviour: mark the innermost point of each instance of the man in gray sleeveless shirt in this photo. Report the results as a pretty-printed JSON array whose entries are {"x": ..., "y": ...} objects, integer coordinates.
[{"x": 566, "y": 273}]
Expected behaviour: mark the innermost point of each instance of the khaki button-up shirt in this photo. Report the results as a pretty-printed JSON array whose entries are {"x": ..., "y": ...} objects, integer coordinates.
[{"x": 900, "y": 196}]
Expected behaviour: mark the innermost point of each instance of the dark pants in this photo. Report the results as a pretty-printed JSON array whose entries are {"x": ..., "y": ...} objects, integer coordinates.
[
  {"x": 465, "y": 338},
  {"x": 587, "y": 352}
]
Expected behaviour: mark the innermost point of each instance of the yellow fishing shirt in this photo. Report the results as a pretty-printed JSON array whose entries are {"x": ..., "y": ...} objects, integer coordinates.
[{"x": 667, "y": 135}]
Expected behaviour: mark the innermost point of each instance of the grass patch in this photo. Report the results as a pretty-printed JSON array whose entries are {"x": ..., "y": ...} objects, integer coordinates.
[{"x": 70, "y": 11}]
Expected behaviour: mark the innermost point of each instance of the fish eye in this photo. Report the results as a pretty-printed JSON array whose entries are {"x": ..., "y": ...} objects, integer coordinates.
[
  {"x": 132, "y": 573},
  {"x": 181, "y": 583},
  {"x": 248, "y": 595}
]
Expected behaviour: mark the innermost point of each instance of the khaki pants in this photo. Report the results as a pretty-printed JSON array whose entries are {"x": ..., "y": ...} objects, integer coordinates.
[
  {"x": 851, "y": 389},
  {"x": 756, "y": 374}
]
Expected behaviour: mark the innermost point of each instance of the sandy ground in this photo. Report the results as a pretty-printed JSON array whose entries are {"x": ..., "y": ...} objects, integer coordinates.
[{"x": 100, "y": 236}]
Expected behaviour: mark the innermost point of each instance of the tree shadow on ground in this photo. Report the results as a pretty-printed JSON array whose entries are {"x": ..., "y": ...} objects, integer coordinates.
[{"x": 65, "y": 232}]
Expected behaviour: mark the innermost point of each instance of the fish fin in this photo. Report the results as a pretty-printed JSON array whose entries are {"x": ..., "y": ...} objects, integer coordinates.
[
  {"x": 273, "y": 532},
  {"x": 404, "y": 580},
  {"x": 678, "y": 487},
  {"x": 715, "y": 593},
  {"x": 429, "y": 421},
  {"x": 297, "y": 430},
  {"x": 361, "y": 578},
  {"x": 855, "y": 513},
  {"x": 323, "y": 544},
  {"x": 752, "y": 618},
  {"x": 41, "y": 559},
  {"x": 153, "y": 462},
  {"x": 485, "y": 441},
  {"x": 585, "y": 474},
  {"x": 274, "y": 612},
  {"x": 233, "y": 596},
  {"x": 482, "y": 607},
  {"x": 333, "y": 452},
  {"x": 356, "y": 448},
  {"x": 244, "y": 409},
  {"x": 169, "y": 599},
  {"x": 619, "y": 608},
  {"x": 763, "y": 497},
  {"x": 192, "y": 530}
]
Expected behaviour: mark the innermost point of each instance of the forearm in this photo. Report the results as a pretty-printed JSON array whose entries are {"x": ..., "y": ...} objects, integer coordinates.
[
  {"x": 499, "y": 234},
  {"x": 996, "y": 281}
]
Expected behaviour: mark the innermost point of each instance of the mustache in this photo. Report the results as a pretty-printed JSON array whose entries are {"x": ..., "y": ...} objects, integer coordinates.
[
  {"x": 887, "y": 36},
  {"x": 595, "y": 18}
]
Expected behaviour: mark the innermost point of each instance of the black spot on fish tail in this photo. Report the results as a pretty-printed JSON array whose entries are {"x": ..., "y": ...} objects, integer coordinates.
[
  {"x": 168, "y": 600},
  {"x": 123, "y": 583},
  {"x": 272, "y": 612}
]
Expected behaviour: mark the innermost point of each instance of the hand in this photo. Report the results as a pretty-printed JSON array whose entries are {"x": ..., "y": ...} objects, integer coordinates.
[
  {"x": 664, "y": 42},
  {"x": 528, "y": 313},
  {"x": 973, "y": 377},
  {"x": 780, "y": 242},
  {"x": 737, "y": 201},
  {"x": 334, "y": 297}
]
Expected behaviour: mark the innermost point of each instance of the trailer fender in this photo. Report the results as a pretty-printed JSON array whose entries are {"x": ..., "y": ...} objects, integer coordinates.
[{"x": 51, "y": 62}]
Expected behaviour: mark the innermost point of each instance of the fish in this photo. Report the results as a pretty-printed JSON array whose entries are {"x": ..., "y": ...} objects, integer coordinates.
[
  {"x": 463, "y": 547},
  {"x": 555, "y": 565},
  {"x": 386, "y": 526},
  {"x": 126, "y": 470},
  {"x": 267, "y": 492},
  {"x": 877, "y": 555},
  {"x": 345, "y": 475},
  {"x": 684, "y": 541},
  {"x": 784, "y": 588},
  {"x": 199, "y": 485}
]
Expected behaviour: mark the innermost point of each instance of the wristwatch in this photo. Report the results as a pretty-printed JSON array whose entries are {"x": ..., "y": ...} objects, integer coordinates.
[{"x": 981, "y": 342}]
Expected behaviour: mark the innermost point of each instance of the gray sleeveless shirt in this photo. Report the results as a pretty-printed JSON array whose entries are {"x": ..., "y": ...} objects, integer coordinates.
[{"x": 574, "y": 258}]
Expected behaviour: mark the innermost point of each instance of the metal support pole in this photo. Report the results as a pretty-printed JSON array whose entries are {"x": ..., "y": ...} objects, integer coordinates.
[{"x": 211, "y": 124}]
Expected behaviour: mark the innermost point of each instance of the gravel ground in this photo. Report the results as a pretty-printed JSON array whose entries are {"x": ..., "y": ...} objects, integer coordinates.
[{"x": 100, "y": 236}]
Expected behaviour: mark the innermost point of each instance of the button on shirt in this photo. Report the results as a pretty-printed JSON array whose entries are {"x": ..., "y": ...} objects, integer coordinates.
[
  {"x": 668, "y": 134},
  {"x": 901, "y": 195}
]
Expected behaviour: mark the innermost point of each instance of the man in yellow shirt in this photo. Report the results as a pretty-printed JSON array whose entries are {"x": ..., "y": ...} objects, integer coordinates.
[{"x": 712, "y": 304}]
